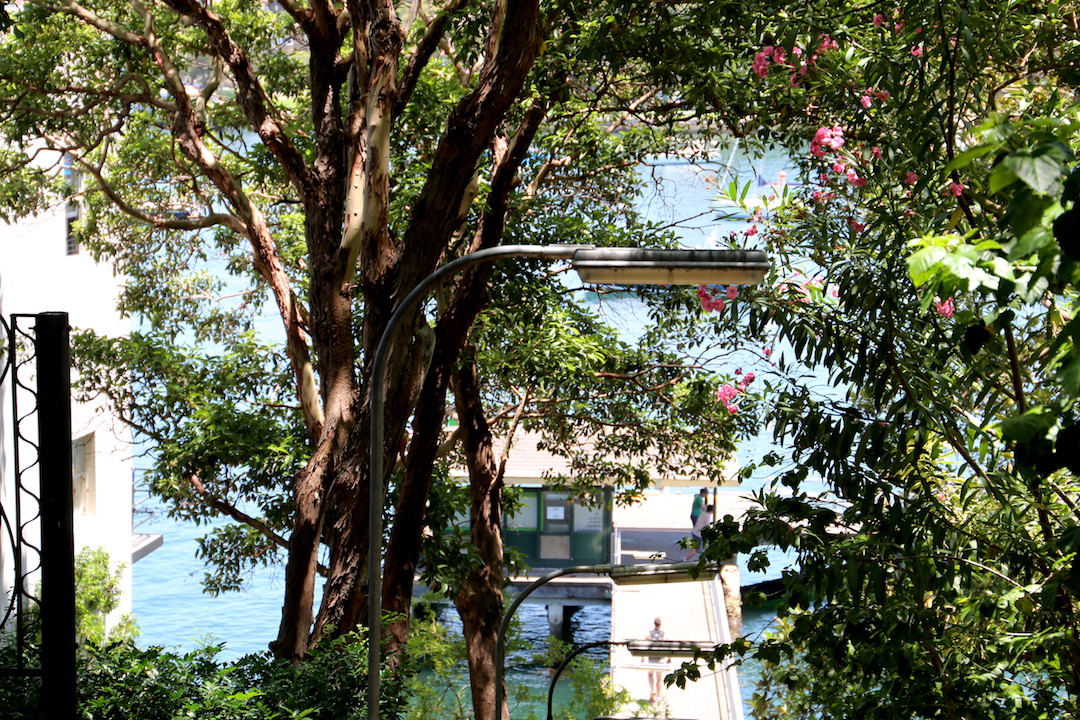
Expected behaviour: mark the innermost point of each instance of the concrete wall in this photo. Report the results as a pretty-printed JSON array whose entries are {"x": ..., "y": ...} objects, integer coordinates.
[{"x": 38, "y": 275}]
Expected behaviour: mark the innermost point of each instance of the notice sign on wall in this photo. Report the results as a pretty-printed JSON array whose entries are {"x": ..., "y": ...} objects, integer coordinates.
[{"x": 556, "y": 512}]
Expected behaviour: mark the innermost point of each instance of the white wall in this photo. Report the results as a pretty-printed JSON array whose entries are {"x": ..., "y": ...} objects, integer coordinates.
[{"x": 37, "y": 275}]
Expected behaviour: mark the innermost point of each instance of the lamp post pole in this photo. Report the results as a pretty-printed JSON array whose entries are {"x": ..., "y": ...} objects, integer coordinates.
[{"x": 605, "y": 265}]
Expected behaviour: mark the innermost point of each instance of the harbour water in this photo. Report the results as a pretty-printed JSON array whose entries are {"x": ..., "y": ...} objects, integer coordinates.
[{"x": 172, "y": 611}]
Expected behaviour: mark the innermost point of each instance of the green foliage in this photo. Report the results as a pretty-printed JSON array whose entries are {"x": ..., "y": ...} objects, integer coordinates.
[
  {"x": 921, "y": 314},
  {"x": 593, "y": 694},
  {"x": 118, "y": 681},
  {"x": 97, "y": 593}
]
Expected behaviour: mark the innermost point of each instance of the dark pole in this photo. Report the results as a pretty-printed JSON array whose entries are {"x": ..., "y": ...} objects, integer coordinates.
[
  {"x": 53, "y": 354},
  {"x": 500, "y": 642},
  {"x": 566, "y": 661}
]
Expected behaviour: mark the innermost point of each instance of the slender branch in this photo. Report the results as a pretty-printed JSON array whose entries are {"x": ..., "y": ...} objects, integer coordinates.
[
  {"x": 1014, "y": 366},
  {"x": 211, "y": 220},
  {"x": 251, "y": 95},
  {"x": 427, "y": 46},
  {"x": 93, "y": 19}
]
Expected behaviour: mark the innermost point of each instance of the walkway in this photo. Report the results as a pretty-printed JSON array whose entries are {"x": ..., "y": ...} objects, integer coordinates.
[{"x": 688, "y": 610}]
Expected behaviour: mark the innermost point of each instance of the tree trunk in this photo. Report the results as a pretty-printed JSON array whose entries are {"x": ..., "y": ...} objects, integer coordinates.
[{"x": 480, "y": 601}]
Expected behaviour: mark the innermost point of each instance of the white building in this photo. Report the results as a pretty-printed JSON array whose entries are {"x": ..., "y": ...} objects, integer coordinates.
[{"x": 42, "y": 270}]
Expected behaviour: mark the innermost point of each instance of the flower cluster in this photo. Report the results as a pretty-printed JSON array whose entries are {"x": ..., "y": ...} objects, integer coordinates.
[
  {"x": 800, "y": 63},
  {"x": 832, "y": 138},
  {"x": 710, "y": 299},
  {"x": 869, "y": 95},
  {"x": 727, "y": 392},
  {"x": 945, "y": 307},
  {"x": 760, "y": 65}
]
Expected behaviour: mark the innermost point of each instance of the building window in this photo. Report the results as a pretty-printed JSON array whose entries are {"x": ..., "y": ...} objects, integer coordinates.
[
  {"x": 84, "y": 490},
  {"x": 73, "y": 178},
  {"x": 72, "y": 213}
]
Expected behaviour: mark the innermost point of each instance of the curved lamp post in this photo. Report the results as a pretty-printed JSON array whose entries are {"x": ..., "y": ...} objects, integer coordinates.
[
  {"x": 632, "y": 266},
  {"x": 566, "y": 661}
]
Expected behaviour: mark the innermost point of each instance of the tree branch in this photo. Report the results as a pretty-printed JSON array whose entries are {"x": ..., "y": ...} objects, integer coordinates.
[{"x": 251, "y": 96}]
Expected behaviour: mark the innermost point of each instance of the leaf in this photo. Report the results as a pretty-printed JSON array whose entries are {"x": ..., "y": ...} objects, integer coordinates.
[
  {"x": 965, "y": 158},
  {"x": 1069, "y": 376},
  {"x": 1034, "y": 423},
  {"x": 1001, "y": 178},
  {"x": 1041, "y": 170},
  {"x": 924, "y": 264}
]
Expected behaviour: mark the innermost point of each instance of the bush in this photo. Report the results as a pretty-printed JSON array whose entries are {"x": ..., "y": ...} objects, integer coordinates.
[{"x": 120, "y": 681}]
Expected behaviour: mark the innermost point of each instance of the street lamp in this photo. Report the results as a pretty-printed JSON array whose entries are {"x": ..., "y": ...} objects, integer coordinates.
[{"x": 600, "y": 265}]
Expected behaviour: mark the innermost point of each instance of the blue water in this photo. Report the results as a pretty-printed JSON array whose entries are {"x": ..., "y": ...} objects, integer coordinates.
[{"x": 172, "y": 611}]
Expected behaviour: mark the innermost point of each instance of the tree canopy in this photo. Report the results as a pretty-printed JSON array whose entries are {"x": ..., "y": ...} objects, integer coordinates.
[
  {"x": 926, "y": 268},
  {"x": 311, "y": 162}
]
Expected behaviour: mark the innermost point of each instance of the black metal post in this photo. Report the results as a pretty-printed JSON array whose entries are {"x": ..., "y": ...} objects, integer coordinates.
[
  {"x": 566, "y": 661},
  {"x": 53, "y": 353}
]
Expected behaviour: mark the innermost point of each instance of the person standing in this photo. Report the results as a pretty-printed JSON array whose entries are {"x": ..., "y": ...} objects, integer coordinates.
[{"x": 656, "y": 677}]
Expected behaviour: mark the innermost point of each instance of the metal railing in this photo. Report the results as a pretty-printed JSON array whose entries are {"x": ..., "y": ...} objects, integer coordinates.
[{"x": 36, "y": 512}]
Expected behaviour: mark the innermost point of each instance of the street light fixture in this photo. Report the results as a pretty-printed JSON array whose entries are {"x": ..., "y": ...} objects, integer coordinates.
[
  {"x": 615, "y": 265},
  {"x": 660, "y": 573},
  {"x": 669, "y": 648}
]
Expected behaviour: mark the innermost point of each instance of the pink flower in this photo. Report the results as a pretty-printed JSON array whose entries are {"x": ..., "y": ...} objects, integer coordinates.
[
  {"x": 917, "y": 51},
  {"x": 760, "y": 65},
  {"x": 796, "y": 51},
  {"x": 911, "y": 178},
  {"x": 731, "y": 408},
  {"x": 882, "y": 94},
  {"x": 878, "y": 20},
  {"x": 956, "y": 189},
  {"x": 751, "y": 231},
  {"x": 854, "y": 179},
  {"x": 708, "y": 302},
  {"x": 779, "y": 56},
  {"x": 738, "y": 371},
  {"x": 836, "y": 141},
  {"x": 732, "y": 292},
  {"x": 876, "y": 152},
  {"x": 827, "y": 43},
  {"x": 767, "y": 352},
  {"x": 747, "y": 379},
  {"x": 865, "y": 101},
  {"x": 839, "y": 166},
  {"x": 944, "y": 307},
  {"x": 856, "y": 225},
  {"x": 726, "y": 393},
  {"x": 832, "y": 138}
]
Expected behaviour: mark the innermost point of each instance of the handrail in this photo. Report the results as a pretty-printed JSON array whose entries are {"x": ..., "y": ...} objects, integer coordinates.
[{"x": 729, "y": 674}]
